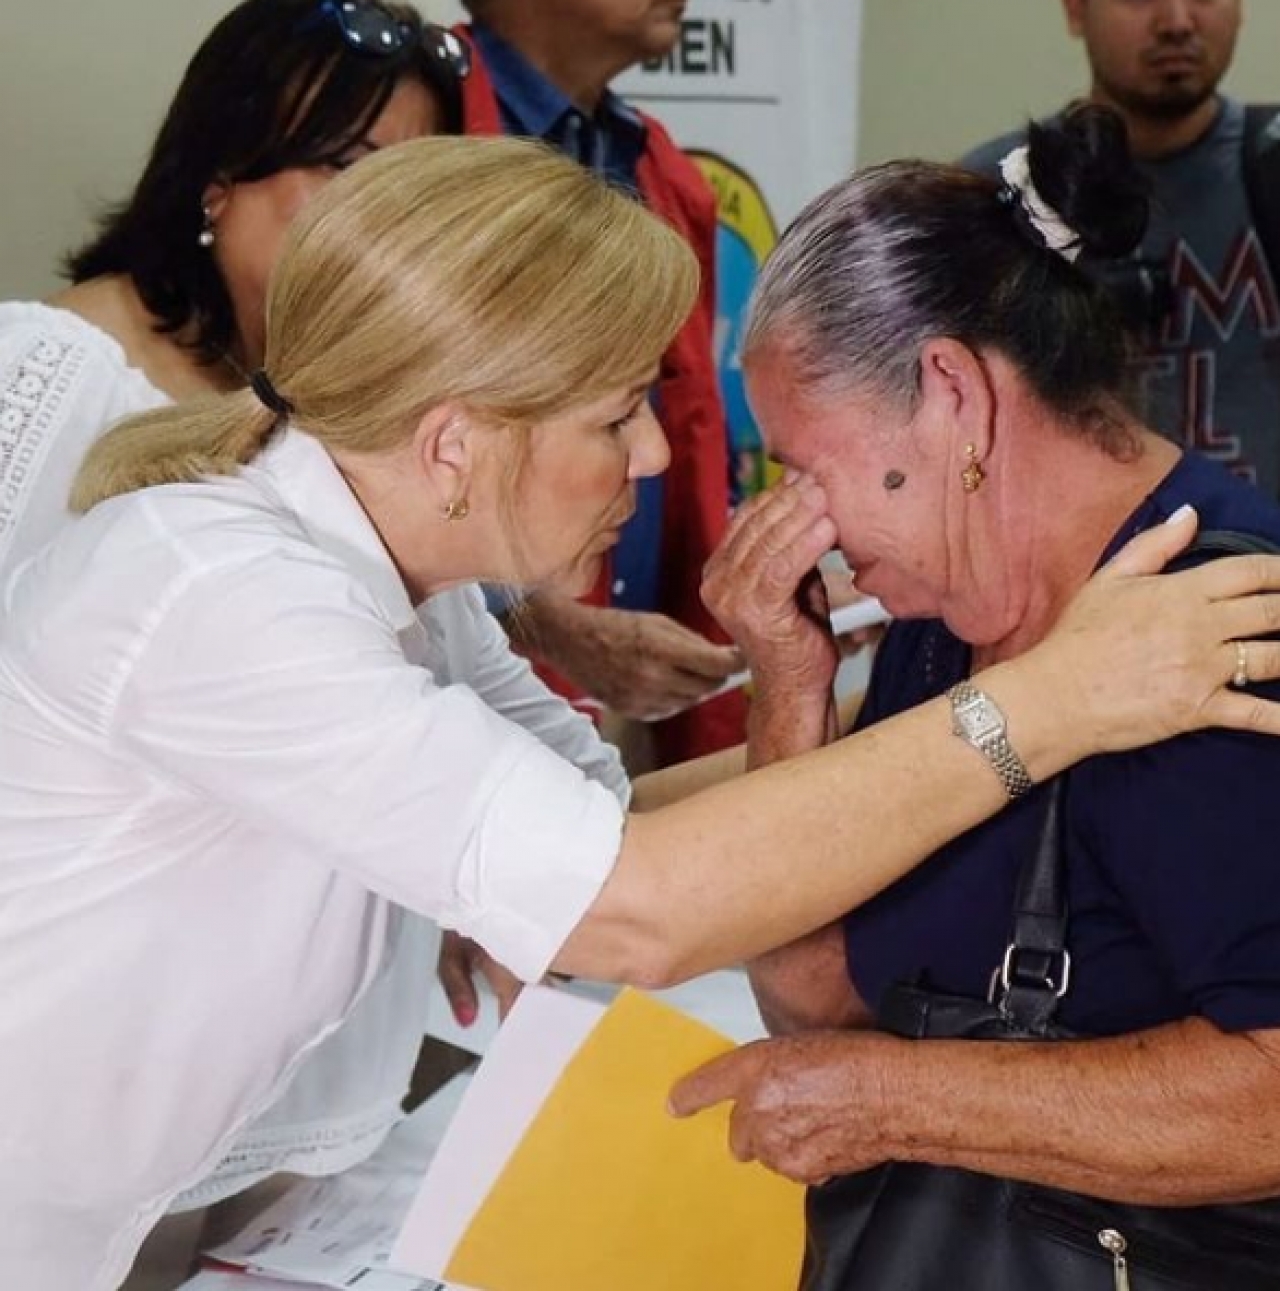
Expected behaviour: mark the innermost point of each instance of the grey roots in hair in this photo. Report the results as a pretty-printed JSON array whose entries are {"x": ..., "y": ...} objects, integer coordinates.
[
  {"x": 908, "y": 251},
  {"x": 815, "y": 295}
]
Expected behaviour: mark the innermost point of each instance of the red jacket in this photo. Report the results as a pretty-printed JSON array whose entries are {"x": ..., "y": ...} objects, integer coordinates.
[{"x": 696, "y": 505}]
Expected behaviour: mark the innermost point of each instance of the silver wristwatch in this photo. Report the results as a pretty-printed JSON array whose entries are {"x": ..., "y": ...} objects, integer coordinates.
[{"x": 976, "y": 719}]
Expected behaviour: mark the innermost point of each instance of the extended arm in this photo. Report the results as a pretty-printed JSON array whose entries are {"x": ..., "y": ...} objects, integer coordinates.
[
  {"x": 448, "y": 809},
  {"x": 757, "y": 862}
]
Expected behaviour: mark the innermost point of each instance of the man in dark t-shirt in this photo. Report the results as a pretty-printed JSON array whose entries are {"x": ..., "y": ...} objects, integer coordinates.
[{"x": 1201, "y": 292}]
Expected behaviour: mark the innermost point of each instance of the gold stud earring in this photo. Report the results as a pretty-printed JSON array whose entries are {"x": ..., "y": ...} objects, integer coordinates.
[
  {"x": 973, "y": 474},
  {"x": 458, "y": 510}
]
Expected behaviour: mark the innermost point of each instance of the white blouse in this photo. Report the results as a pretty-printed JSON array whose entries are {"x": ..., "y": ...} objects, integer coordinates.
[
  {"x": 238, "y": 775},
  {"x": 63, "y": 382}
]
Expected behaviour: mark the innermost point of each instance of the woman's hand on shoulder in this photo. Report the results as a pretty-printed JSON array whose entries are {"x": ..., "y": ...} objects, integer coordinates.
[{"x": 1139, "y": 658}]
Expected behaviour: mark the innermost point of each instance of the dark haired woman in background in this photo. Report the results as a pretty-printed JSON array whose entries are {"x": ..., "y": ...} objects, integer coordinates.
[
  {"x": 923, "y": 344},
  {"x": 167, "y": 302}
]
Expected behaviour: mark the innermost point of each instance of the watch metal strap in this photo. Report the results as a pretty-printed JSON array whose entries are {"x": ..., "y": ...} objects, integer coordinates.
[{"x": 995, "y": 747}]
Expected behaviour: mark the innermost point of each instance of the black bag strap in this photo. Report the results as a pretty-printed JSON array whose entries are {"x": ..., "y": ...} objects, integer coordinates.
[
  {"x": 1036, "y": 971},
  {"x": 1226, "y": 542},
  {"x": 1262, "y": 177}
]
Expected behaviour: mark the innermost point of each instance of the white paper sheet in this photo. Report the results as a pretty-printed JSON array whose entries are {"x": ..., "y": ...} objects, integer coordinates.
[
  {"x": 527, "y": 1057},
  {"x": 866, "y": 612},
  {"x": 338, "y": 1232}
]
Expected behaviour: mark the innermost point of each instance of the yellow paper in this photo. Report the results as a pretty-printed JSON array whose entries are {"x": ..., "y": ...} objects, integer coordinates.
[{"x": 608, "y": 1192}]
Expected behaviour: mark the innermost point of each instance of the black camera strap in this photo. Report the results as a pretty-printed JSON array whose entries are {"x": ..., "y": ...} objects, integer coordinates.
[{"x": 1262, "y": 177}]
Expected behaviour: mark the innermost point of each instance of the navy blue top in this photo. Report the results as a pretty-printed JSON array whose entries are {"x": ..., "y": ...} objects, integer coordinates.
[
  {"x": 1173, "y": 851},
  {"x": 610, "y": 142}
]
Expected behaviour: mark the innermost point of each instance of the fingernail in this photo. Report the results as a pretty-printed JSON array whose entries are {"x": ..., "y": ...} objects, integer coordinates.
[{"x": 1185, "y": 511}]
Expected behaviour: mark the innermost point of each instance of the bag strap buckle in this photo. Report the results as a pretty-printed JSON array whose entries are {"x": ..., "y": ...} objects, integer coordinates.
[{"x": 1052, "y": 973}]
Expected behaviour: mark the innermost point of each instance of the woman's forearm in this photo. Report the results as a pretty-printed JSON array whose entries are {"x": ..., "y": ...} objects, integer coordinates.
[
  {"x": 1181, "y": 1115},
  {"x": 675, "y": 783},
  {"x": 805, "y": 985},
  {"x": 783, "y": 725},
  {"x": 759, "y": 861}
]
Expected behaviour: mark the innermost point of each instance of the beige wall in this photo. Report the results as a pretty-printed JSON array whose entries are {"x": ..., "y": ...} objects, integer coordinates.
[
  {"x": 83, "y": 87},
  {"x": 83, "y": 84},
  {"x": 939, "y": 76}
]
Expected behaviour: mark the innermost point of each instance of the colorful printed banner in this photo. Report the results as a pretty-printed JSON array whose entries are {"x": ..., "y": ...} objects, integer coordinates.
[{"x": 764, "y": 94}]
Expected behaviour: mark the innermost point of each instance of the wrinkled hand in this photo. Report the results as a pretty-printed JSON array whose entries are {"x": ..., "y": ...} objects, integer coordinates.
[
  {"x": 642, "y": 666},
  {"x": 809, "y": 1106},
  {"x": 763, "y": 586},
  {"x": 1145, "y": 658},
  {"x": 460, "y": 960}
]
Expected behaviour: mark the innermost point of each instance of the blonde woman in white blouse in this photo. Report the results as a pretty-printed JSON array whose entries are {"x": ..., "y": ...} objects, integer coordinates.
[
  {"x": 236, "y": 761},
  {"x": 166, "y": 302}
]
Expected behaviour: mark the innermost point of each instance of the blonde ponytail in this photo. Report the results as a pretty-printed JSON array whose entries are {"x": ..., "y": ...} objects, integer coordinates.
[{"x": 212, "y": 435}]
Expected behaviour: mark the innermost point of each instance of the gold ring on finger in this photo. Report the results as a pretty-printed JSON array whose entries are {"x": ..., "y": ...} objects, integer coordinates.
[{"x": 1240, "y": 678}]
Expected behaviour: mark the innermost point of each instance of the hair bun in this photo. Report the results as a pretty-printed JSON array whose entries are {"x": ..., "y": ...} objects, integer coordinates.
[{"x": 1082, "y": 166}]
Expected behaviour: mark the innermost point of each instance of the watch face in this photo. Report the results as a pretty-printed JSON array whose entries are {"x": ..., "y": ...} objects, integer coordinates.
[{"x": 979, "y": 720}]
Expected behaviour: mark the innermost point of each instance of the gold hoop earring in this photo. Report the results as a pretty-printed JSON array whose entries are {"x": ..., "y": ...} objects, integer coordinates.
[
  {"x": 458, "y": 510},
  {"x": 973, "y": 474}
]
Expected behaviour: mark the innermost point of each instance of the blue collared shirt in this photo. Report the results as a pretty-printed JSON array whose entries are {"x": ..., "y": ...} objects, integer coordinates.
[{"x": 610, "y": 142}]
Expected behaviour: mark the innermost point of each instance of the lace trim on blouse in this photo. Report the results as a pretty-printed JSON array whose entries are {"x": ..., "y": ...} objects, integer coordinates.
[
  {"x": 319, "y": 1149},
  {"x": 28, "y": 404}
]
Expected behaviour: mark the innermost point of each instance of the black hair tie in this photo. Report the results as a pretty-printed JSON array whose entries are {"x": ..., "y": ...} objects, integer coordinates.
[{"x": 268, "y": 395}]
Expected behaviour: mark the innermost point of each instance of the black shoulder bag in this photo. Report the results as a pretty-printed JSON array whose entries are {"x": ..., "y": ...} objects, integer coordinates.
[{"x": 913, "y": 1227}]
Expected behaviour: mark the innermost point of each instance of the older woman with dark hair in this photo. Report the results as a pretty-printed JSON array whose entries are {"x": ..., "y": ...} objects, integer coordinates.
[{"x": 926, "y": 345}]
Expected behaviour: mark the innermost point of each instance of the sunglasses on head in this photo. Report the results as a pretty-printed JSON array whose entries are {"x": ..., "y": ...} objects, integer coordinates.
[{"x": 368, "y": 28}]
